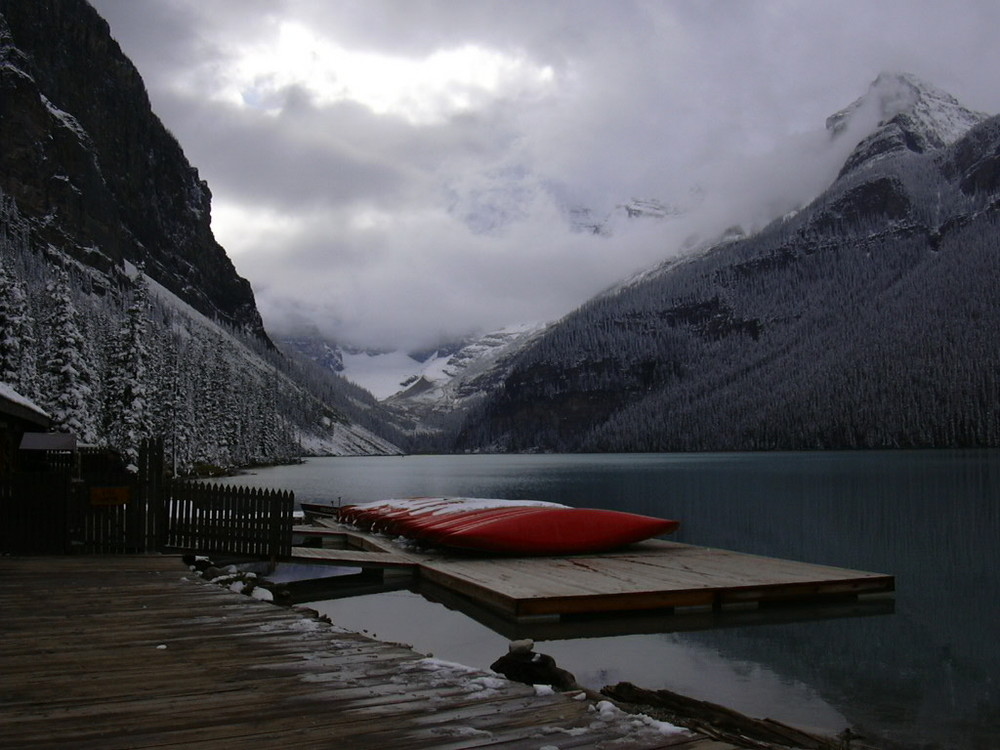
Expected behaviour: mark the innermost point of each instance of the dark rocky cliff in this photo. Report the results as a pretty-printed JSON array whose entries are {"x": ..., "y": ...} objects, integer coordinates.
[{"x": 93, "y": 168}]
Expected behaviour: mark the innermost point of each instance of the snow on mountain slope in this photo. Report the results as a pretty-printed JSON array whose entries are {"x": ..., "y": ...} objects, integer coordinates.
[
  {"x": 345, "y": 440},
  {"x": 405, "y": 378},
  {"x": 382, "y": 373},
  {"x": 890, "y": 94},
  {"x": 448, "y": 386},
  {"x": 447, "y": 381},
  {"x": 899, "y": 111},
  {"x": 325, "y": 437}
]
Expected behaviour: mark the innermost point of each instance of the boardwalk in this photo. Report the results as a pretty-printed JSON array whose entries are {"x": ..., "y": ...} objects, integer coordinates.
[{"x": 133, "y": 652}]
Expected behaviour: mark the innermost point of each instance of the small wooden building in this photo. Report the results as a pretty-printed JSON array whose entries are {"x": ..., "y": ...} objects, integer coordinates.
[{"x": 18, "y": 415}]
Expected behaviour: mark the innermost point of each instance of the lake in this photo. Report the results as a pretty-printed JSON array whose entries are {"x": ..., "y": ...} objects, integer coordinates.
[{"x": 923, "y": 674}]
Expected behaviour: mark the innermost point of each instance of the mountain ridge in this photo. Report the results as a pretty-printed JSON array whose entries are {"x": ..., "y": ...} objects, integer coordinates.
[
  {"x": 796, "y": 337},
  {"x": 910, "y": 115}
]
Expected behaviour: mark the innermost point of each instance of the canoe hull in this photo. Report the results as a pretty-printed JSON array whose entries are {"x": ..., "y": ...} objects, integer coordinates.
[{"x": 507, "y": 527}]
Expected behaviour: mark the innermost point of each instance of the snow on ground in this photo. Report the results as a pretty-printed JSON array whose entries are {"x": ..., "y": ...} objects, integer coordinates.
[
  {"x": 482, "y": 684},
  {"x": 608, "y": 713},
  {"x": 170, "y": 299}
]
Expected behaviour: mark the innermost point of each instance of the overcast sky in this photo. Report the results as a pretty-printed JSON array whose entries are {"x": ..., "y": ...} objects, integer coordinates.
[{"x": 395, "y": 171}]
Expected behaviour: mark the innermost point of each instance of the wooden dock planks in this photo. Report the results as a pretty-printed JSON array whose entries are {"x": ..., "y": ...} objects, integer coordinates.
[
  {"x": 129, "y": 652},
  {"x": 658, "y": 575},
  {"x": 359, "y": 558},
  {"x": 650, "y": 575}
]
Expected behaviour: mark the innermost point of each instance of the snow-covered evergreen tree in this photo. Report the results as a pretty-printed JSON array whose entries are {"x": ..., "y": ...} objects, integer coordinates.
[
  {"x": 127, "y": 410},
  {"x": 69, "y": 381},
  {"x": 17, "y": 363}
]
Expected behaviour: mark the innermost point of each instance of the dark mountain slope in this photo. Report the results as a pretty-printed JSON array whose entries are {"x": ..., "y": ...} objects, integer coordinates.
[
  {"x": 119, "y": 313},
  {"x": 94, "y": 170},
  {"x": 869, "y": 319}
]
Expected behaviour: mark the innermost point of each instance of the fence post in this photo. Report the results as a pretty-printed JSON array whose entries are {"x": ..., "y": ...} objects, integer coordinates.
[
  {"x": 274, "y": 511},
  {"x": 150, "y": 491},
  {"x": 281, "y": 524}
]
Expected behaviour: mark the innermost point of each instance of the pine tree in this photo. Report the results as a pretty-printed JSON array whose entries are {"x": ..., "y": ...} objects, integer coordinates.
[
  {"x": 127, "y": 399},
  {"x": 69, "y": 380},
  {"x": 17, "y": 363}
]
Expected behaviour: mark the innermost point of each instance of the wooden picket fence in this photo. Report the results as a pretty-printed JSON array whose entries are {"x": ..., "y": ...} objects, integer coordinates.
[
  {"x": 214, "y": 519},
  {"x": 87, "y": 504}
]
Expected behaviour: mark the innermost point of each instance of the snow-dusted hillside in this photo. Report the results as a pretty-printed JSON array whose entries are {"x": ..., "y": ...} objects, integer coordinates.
[
  {"x": 325, "y": 435},
  {"x": 135, "y": 360},
  {"x": 99, "y": 176}
]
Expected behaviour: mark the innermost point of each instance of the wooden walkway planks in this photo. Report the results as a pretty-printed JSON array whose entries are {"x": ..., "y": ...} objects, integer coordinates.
[
  {"x": 650, "y": 575},
  {"x": 130, "y": 652}
]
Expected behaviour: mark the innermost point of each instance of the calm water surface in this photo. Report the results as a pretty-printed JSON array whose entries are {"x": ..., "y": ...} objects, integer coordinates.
[{"x": 924, "y": 675}]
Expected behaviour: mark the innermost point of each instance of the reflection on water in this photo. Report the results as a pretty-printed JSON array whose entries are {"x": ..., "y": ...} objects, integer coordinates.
[
  {"x": 923, "y": 675},
  {"x": 646, "y": 660}
]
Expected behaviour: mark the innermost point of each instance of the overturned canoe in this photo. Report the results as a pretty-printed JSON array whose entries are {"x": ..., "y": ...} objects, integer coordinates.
[{"x": 516, "y": 527}]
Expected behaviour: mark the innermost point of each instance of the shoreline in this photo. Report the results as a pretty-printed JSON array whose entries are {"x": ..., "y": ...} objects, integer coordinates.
[{"x": 704, "y": 717}]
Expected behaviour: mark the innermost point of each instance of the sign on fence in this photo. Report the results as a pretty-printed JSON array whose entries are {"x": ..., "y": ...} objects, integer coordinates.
[{"x": 103, "y": 496}]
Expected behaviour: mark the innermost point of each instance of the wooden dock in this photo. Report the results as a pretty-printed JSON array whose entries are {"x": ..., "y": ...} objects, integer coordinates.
[
  {"x": 652, "y": 575},
  {"x": 135, "y": 652}
]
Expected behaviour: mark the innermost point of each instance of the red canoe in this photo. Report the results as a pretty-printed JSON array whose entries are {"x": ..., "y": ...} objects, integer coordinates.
[{"x": 505, "y": 526}]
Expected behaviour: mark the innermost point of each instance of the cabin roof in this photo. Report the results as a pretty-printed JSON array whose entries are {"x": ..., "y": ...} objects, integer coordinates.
[
  {"x": 13, "y": 404},
  {"x": 48, "y": 441}
]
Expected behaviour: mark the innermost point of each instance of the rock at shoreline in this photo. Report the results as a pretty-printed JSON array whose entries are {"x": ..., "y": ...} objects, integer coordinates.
[{"x": 522, "y": 664}]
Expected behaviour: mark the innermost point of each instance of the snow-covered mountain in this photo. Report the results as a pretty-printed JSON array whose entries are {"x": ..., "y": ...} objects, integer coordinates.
[
  {"x": 868, "y": 318},
  {"x": 100, "y": 176},
  {"x": 446, "y": 380},
  {"x": 898, "y": 116},
  {"x": 430, "y": 389},
  {"x": 899, "y": 112}
]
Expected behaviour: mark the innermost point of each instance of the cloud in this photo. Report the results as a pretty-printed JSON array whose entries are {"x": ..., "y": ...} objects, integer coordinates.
[{"x": 397, "y": 171}]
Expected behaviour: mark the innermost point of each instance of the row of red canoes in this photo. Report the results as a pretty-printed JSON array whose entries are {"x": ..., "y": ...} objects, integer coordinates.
[{"x": 515, "y": 527}]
